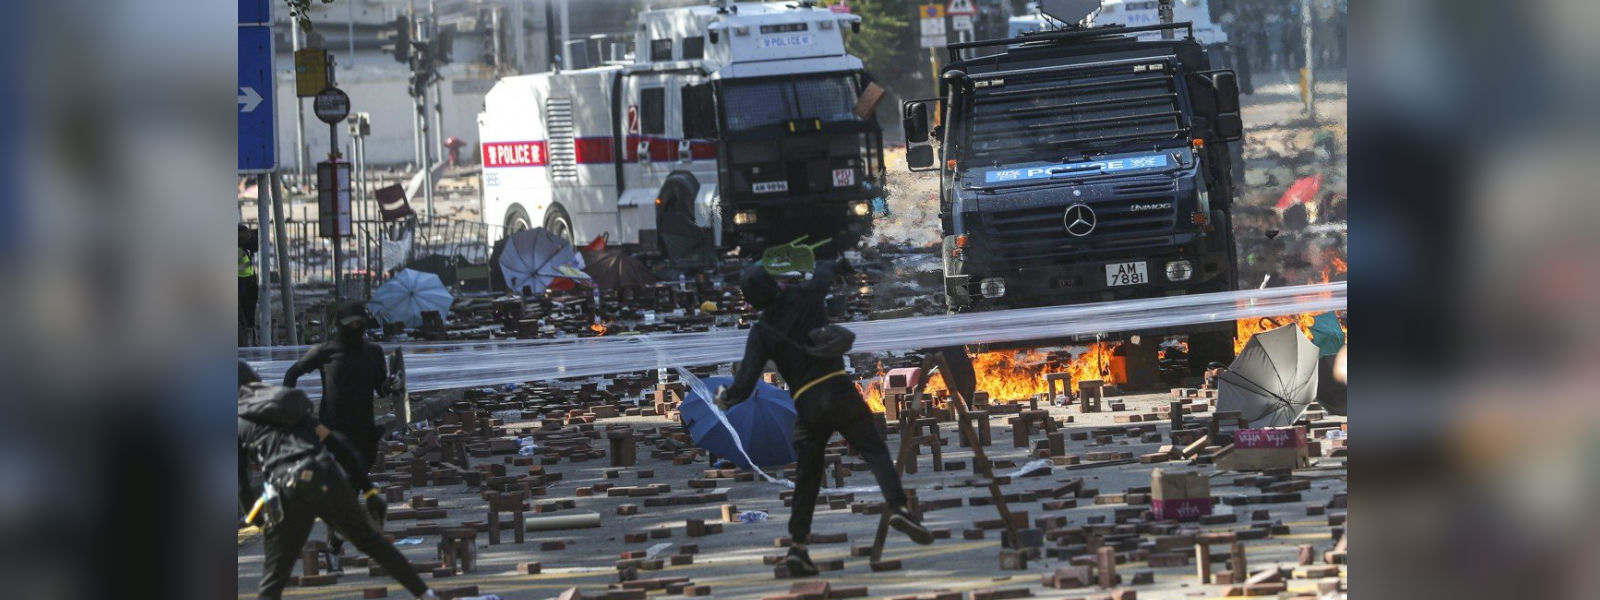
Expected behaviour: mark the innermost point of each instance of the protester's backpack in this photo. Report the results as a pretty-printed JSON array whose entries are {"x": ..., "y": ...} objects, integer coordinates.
[
  {"x": 273, "y": 404},
  {"x": 827, "y": 341}
]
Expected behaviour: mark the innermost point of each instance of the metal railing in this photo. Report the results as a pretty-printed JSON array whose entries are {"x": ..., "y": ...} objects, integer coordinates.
[{"x": 377, "y": 248}]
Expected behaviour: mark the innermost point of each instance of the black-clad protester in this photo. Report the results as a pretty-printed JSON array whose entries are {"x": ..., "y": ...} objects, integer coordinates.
[
  {"x": 825, "y": 400},
  {"x": 313, "y": 473},
  {"x": 354, "y": 374}
]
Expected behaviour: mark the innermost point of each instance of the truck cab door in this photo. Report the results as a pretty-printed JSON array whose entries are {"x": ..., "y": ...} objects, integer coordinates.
[{"x": 697, "y": 122}]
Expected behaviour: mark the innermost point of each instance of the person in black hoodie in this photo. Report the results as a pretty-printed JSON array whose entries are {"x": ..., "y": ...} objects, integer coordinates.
[
  {"x": 354, "y": 374},
  {"x": 825, "y": 400},
  {"x": 314, "y": 473}
]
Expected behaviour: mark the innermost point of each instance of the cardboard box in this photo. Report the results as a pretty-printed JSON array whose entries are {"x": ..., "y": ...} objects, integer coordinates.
[
  {"x": 1185, "y": 496},
  {"x": 1269, "y": 448}
]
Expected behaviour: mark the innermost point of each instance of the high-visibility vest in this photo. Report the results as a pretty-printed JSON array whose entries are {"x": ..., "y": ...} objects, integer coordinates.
[{"x": 247, "y": 267}]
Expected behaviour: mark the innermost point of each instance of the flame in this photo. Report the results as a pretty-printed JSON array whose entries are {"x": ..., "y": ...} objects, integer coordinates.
[
  {"x": 1091, "y": 363},
  {"x": 1336, "y": 266},
  {"x": 873, "y": 392},
  {"x": 1247, "y": 328},
  {"x": 874, "y": 396},
  {"x": 599, "y": 328}
]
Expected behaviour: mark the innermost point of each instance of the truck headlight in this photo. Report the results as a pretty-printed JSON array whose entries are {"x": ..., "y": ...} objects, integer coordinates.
[
  {"x": 744, "y": 217},
  {"x": 993, "y": 287},
  {"x": 861, "y": 208},
  {"x": 1179, "y": 270}
]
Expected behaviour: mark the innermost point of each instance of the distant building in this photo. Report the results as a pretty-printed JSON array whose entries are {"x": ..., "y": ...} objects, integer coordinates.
[{"x": 489, "y": 43}]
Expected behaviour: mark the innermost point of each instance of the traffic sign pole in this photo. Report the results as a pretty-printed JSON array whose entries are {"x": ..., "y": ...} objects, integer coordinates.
[
  {"x": 338, "y": 242},
  {"x": 300, "y": 153},
  {"x": 332, "y": 105},
  {"x": 285, "y": 281},
  {"x": 258, "y": 155}
]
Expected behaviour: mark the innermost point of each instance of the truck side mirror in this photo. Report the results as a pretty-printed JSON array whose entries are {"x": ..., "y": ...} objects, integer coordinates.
[
  {"x": 1226, "y": 86},
  {"x": 1228, "y": 127},
  {"x": 919, "y": 157},
  {"x": 914, "y": 120}
]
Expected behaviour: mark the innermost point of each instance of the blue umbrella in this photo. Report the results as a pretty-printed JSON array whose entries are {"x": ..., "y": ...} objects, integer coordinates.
[
  {"x": 407, "y": 295},
  {"x": 765, "y": 424},
  {"x": 1326, "y": 334}
]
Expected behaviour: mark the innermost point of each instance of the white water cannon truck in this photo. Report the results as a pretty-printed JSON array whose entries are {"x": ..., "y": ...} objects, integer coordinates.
[{"x": 738, "y": 126}]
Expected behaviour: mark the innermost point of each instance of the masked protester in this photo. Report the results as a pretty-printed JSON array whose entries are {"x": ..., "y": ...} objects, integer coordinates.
[
  {"x": 788, "y": 334},
  {"x": 309, "y": 472},
  {"x": 1214, "y": 370},
  {"x": 353, "y": 375}
]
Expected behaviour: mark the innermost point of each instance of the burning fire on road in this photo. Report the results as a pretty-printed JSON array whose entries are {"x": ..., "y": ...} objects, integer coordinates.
[
  {"x": 1017, "y": 375},
  {"x": 1247, "y": 328}
]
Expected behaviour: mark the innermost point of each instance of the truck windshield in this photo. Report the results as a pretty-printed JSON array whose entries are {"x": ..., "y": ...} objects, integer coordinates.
[
  {"x": 1066, "y": 113},
  {"x": 752, "y": 104}
]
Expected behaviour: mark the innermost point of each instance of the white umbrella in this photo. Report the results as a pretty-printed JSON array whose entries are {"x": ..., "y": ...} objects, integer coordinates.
[
  {"x": 533, "y": 258},
  {"x": 1272, "y": 380},
  {"x": 404, "y": 297}
]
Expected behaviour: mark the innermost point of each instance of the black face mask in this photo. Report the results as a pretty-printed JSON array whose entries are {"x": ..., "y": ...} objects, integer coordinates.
[{"x": 352, "y": 332}]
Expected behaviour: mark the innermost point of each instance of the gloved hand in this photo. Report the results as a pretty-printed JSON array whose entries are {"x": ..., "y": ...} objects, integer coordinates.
[
  {"x": 842, "y": 266},
  {"x": 721, "y": 398},
  {"x": 391, "y": 385},
  {"x": 377, "y": 508}
]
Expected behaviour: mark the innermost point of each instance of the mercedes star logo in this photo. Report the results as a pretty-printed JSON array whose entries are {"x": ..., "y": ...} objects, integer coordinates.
[{"x": 1079, "y": 220}]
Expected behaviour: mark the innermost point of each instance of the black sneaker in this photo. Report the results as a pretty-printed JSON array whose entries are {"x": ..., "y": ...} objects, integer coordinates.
[
  {"x": 799, "y": 563},
  {"x": 910, "y": 525}
]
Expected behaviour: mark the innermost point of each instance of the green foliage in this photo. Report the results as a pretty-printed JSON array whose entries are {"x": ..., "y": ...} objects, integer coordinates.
[
  {"x": 889, "y": 45},
  {"x": 299, "y": 9}
]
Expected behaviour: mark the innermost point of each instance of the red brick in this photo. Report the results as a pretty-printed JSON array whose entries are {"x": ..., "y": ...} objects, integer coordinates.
[
  {"x": 318, "y": 580},
  {"x": 810, "y": 590}
]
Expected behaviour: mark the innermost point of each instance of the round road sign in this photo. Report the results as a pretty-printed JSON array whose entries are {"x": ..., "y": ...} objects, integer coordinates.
[{"x": 332, "y": 105}]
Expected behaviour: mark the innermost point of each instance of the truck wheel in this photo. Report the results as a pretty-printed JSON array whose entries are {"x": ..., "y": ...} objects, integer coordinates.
[
  {"x": 1209, "y": 347},
  {"x": 517, "y": 220},
  {"x": 556, "y": 221}
]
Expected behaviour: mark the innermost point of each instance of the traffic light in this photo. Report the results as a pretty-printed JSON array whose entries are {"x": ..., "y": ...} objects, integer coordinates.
[
  {"x": 445, "y": 45},
  {"x": 421, "y": 69},
  {"x": 402, "y": 38},
  {"x": 485, "y": 26}
]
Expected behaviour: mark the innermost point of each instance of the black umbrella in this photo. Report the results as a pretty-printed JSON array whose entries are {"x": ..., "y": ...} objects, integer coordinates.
[{"x": 612, "y": 269}]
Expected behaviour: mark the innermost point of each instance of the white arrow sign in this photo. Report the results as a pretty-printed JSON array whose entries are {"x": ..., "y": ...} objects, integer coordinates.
[{"x": 249, "y": 99}]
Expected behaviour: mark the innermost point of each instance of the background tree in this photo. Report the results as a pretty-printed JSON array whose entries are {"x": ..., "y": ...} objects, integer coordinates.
[{"x": 889, "y": 46}]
